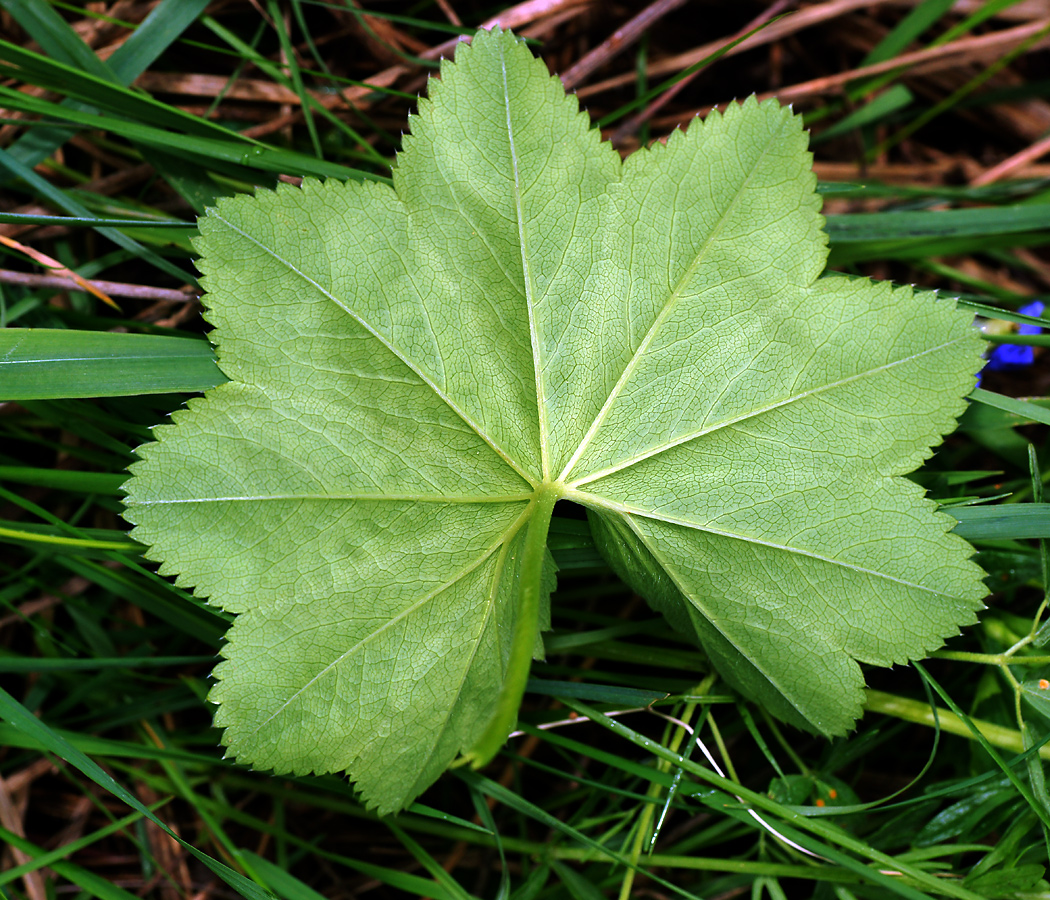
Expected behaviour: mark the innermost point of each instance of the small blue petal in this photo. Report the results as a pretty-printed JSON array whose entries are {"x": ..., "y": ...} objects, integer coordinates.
[
  {"x": 1009, "y": 356},
  {"x": 1035, "y": 308}
]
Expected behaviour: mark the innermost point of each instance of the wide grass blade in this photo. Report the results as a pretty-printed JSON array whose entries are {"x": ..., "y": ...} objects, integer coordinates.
[{"x": 51, "y": 363}]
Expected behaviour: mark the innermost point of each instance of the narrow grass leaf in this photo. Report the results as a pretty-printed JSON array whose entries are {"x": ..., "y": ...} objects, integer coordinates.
[
  {"x": 533, "y": 884},
  {"x": 158, "y": 31},
  {"x": 105, "y": 748},
  {"x": 512, "y": 800},
  {"x": 29, "y": 534},
  {"x": 47, "y": 858},
  {"x": 579, "y": 887},
  {"x": 7, "y": 218},
  {"x": 64, "y": 479},
  {"x": 785, "y": 815},
  {"x": 451, "y": 886},
  {"x": 55, "y": 35},
  {"x": 600, "y": 693},
  {"x": 88, "y": 881},
  {"x": 208, "y": 150},
  {"x": 280, "y": 881},
  {"x": 1007, "y": 770},
  {"x": 178, "y": 609},
  {"x": 982, "y": 222},
  {"x": 1028, "y": 412},
  {"x": 24, "y": 664},
  {"x": 402, "y": 881},
  {"x": 881, "y": 106},
  {"x": 421, "y": 809},
  {"x": 44, "y": 189},
  {"x": 483, "y": 812},
  {"x": 907, "y": 30}
]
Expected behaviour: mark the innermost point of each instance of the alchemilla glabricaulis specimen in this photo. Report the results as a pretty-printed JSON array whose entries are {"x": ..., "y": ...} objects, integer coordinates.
[{"x": 418, "y": 373}]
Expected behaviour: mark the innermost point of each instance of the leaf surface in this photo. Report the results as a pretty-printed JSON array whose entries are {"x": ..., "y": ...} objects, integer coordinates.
[{"x": 418, "y": 372}]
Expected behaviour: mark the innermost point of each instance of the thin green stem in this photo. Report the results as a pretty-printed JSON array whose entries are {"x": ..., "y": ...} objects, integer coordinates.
[
  {"x": 993, "y": 659},
  {"x": 526, "y": 628},
  {"x": 923, "y": 714}
]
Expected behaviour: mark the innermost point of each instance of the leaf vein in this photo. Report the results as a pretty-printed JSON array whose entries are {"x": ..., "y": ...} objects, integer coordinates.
[
  {"x": 677, "y": 292},
  {"x": 627, "y": 509},
  {"x": 753, "y": 413},
  {"x": 445, "y": 398},
  {"x": 418, "y": 604}
]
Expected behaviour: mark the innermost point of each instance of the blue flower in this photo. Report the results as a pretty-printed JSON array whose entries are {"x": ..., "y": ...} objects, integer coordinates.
[{"x": 1013, "y": 356}]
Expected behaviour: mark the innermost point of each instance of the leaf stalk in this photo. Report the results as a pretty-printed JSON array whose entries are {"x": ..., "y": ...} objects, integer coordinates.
[{"x": 526, "y": 627}]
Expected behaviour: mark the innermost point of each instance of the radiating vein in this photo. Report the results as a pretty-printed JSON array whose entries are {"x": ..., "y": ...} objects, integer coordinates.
[
  {"x": 385, "y": 498},
  {"x": 490, "y": 607},
  {"x": 757, "y": 411},
  {"x": 448, "y": 401},
  {"x": 507, "y": 535},
  {"x": 669, "y": 306},
  {"x": 526, "y": 267},
  {"x": 698, "y": 604},
  {"x": 628, "y": 510}
]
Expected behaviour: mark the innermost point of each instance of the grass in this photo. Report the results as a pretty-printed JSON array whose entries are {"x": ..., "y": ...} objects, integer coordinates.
[{"x": 636, "y": 773}]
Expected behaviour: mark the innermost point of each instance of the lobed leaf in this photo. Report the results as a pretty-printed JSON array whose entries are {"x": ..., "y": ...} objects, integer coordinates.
[{"x": 418, "y": 371}]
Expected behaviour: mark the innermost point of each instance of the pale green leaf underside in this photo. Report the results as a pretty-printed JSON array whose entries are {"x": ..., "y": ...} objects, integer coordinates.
[{"x": 523, "y": 312}]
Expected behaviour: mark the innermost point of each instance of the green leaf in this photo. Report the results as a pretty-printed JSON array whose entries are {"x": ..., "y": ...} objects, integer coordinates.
[{"x": 418, "y": 373}]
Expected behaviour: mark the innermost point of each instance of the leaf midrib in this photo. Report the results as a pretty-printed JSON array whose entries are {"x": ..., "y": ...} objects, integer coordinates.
[
  {"x": 527, "y": 279},
  {"x": 392, "y": 498}
]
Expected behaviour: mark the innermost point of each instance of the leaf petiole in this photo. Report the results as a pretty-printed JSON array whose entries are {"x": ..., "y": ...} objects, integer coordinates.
[{"x": 526, "y": 628}]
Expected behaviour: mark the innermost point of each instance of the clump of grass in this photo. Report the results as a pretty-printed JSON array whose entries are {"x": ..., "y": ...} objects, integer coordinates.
[{"x": 636, "y": 773}]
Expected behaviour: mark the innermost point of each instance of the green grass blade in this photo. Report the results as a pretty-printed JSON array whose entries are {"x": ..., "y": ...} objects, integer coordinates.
[
  {"x": 907, "y": 30},
  {"x": 512, "y": 800},
  {"x": 25, "y": 664},
  {"x": 601, "y": 693},
  {"x": 64, "y": 479},
  {"x": 786, "y": 816},
  {"x": 886, "y": 103},
  {"x": 48, "y": 858},
  {"x": 40, "y": 364},
  {"x": 1028, "y": 412},
  {"x": 428, "y": 862},
  {"x": 88, "y": 881},
  {"x": 856, "y": 228},
  {"x": 7, "y": 218},
  {"x": 55, "y": 36},
  {"x": 158, "y": 31},
  {"x": 307, "y": 101},
  {"x": 207, "y": 151},
  {"x": 1015, "y": 780},
  {"x": 141, "y": 118},
  {"x": 280, "y": 881},
  {"x": 1002, "y": 522},
  {"x": 38, "y": 536}
]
